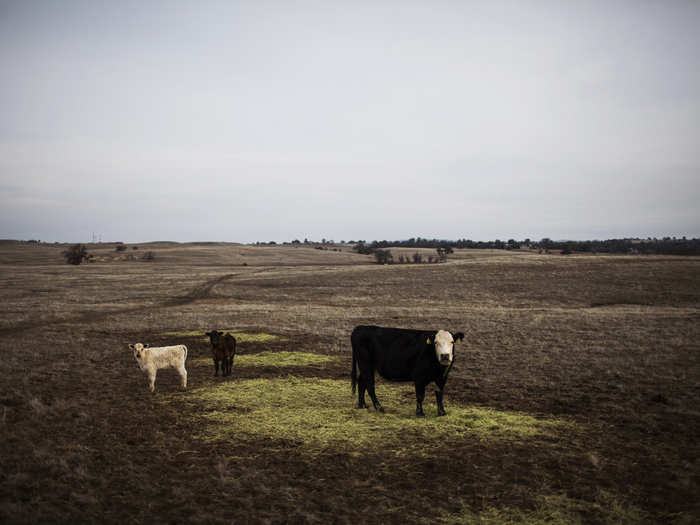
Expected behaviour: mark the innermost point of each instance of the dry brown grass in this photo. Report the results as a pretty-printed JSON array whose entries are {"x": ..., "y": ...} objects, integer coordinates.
[{"x": 608, "y": 345}]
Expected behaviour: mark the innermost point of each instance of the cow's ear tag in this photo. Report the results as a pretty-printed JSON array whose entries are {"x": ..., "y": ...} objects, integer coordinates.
[{"x": 427, "y": 341}]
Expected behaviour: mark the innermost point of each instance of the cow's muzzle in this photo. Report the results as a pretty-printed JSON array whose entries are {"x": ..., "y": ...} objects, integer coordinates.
[{"x": 445, "y": 359}]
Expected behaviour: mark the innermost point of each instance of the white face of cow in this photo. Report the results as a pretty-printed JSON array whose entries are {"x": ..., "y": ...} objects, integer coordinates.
[
  {"x": 138, "y": 349},
  {"x": 444, "y": 347}
]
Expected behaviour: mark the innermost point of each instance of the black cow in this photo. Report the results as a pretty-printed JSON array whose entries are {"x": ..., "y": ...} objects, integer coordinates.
[
  {"x": 223, "y": 348},
  {"x": 399, "y": 354}
]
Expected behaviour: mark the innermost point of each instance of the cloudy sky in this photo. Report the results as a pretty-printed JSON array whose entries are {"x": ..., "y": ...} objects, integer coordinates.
[{"x": 263, "y": 120}]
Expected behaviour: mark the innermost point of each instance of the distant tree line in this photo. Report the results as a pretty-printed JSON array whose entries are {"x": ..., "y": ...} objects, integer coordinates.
[
  {"x": 651, "y": 246},
  {"x": 384, "y": 256},
  {"x": 648, "y": 246},
  {"x": 664, "y": 246}
]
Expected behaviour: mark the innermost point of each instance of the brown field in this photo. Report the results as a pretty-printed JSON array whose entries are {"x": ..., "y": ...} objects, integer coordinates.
[{"x": 575, "y": 397}]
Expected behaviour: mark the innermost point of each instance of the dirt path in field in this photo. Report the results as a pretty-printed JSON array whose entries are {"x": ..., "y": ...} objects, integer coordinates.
[{"x": 201, "y": 291}]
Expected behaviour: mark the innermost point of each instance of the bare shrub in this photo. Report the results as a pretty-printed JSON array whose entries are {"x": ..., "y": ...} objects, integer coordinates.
[
  {"x": 148, "y": 256},
  {"x": 384, "y": 257},
  {"x": 76, "y": 254}
]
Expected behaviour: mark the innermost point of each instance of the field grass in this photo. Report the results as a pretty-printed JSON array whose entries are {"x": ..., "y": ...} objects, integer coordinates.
[
  {"x": 241, "y": 337},
  {"x": 573, "y": 399},
  {"x": 274, "y": 359},
  {"x": 317, "y": 415}
]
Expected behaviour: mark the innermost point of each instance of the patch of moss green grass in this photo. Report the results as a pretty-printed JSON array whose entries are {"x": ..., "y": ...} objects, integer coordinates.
[
  {"x": 241, "y": 337},
  {"x": 553, "y": 510},
  {"x": 318, "y": 415},
  {"x": 275, "y": 359}
]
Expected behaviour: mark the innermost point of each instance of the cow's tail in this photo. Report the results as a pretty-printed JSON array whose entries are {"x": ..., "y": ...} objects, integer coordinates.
[
  {"x": 185, "y": 348},
  {"x": 353, "y": 374}
]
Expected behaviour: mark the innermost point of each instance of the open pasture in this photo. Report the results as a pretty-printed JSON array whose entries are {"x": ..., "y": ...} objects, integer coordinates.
[{"x": 573, "y": 399}]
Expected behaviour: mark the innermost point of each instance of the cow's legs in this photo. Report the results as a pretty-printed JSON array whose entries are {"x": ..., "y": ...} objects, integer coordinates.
[
  {"x": 216, "y": 368},
  {"x": 420, "y": 396},
  {"x": 373, "y": 396},
  {"x": 361, "y": 387},
  {"x": 438, "y": 398}
]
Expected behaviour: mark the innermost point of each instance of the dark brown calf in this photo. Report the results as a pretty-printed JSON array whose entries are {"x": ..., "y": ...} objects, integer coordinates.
[{"x": 223, "y": 347}]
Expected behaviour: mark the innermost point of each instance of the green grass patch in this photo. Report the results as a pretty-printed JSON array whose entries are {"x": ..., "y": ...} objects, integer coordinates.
[
  {"x": 318, "y": 414},
  {"x": 553, "y": 510},
  {"x": 241, "y": 337},
  {"x": 276, "y": 359}
]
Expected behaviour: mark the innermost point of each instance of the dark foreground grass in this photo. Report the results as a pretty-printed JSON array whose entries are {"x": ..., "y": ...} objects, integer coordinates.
[
  {"x": 553, "y": 509},
  {"x": 314, "y": 417}
]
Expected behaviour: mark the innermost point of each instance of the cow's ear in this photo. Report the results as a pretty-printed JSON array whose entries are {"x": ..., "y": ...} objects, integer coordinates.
[
  {"x": 428, "y": 341},
  {"x": 131, "y": 346},
  {"x": 459, "y": 336},
  {"x": 146, "y": 345}
]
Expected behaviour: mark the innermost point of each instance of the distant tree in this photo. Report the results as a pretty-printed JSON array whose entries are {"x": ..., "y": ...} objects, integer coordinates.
[
  {"x": 384, "y": 256},
  {"x": 120, "y": 247},
  {"x": 76, "y": 254},
  {"x": 362, "y": 248}
]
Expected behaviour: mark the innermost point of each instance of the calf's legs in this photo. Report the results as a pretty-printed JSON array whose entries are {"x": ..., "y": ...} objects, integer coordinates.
[
  {"x": 152, "y": 380},
  {"x": 183, "y": 377}
]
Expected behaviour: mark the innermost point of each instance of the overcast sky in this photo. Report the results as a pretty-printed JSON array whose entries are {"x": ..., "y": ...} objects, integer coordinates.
[{"x": 260, "y": 120}]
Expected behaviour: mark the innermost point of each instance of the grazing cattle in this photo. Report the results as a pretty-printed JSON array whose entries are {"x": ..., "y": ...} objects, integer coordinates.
[
  {"x": 223, "y": 348},
  {"x": 399, "y": 354},
  {"x": 150, "y": 360}
]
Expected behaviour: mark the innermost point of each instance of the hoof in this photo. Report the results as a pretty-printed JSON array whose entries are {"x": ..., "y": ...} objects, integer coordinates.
[
  {"x": 381, "y": 409},
  {"x": 420, "y": 414}
]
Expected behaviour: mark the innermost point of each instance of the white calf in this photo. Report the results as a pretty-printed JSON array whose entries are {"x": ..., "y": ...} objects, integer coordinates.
[{"x": 150, "y": 360}]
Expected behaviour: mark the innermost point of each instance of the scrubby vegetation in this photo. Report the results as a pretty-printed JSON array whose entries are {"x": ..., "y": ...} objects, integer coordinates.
[{"x": 76, "y": 254}]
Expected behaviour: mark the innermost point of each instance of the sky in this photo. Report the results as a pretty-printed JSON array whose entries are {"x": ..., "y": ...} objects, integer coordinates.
[{"x": 260, "y": 120}]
